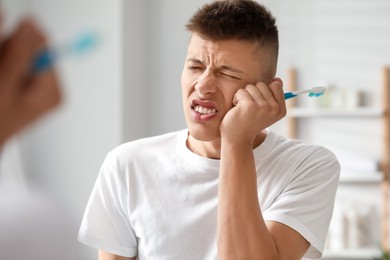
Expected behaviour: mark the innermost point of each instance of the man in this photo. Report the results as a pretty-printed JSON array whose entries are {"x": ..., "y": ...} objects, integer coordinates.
[{"x": 226, "y": 187}]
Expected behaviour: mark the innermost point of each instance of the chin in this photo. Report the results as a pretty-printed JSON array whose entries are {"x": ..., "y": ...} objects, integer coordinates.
[{"x": 201, "y": 133}]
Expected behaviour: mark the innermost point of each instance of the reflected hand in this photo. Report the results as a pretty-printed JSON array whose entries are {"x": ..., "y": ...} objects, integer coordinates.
[{"x": 24, "y": 96}]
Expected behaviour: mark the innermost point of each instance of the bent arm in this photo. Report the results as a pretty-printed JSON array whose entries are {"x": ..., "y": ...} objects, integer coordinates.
[{"x": 242, "y": 231}]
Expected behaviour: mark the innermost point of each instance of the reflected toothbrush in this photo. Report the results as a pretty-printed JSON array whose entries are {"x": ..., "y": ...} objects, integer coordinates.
[
  {"x": 312, "y": 92},
  {"x": 80, "y": 45}
]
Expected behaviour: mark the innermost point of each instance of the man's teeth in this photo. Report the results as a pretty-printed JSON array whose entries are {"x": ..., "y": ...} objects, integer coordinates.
[{"x": 204, "y": 110}]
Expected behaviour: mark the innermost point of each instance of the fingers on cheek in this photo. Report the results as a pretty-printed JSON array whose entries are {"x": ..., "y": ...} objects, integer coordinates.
[
  {"x": 267, "y": 93},
  {"x": 278, "y": 108},
  {"x": 250, "y": 92},
  {"x": 277, "y": 89},
  {"x": 239, "y": 96},
  {"x": 260, "y": 85},
  {"x": 263, "y": 88},
  {"x": 250, "y": 86},
  {"x": 274, "y": 100},
  {"x": 282, "y": 105}
]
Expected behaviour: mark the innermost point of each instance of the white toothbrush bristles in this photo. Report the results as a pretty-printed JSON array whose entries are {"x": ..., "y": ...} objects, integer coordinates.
[
  {"x": 317, "y": 91},
  {"x": 313, "y": 92}
]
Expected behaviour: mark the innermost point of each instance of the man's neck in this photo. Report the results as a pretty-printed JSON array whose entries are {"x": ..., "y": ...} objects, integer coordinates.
[
  {"x": 212, "y": 149},
  {"x": 208, "y": 149}
]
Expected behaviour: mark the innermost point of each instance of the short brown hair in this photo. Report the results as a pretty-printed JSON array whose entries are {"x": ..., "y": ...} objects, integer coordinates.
[{"x": 236, "y": 20}]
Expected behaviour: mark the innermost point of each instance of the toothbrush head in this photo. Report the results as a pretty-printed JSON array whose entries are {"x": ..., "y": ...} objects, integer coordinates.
[
  {"x": 78, "y": 46},
  {"x": 84, "y": 43},
  {"x": 317, "y": 91}
]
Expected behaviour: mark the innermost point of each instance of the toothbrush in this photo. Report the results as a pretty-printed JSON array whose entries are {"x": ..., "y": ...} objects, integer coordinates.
[
  {"x": 313, "y": 92},
  {"x": 46, "y": 58}
]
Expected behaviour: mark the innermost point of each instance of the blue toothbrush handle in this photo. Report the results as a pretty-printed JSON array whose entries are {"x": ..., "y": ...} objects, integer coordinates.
[
  {"x": 44, "y": 60},
  {"x": 288, "y": 95}
]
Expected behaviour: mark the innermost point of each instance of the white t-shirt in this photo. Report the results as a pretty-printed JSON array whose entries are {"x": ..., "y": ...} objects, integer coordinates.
[{"x": 156, "y": 199}]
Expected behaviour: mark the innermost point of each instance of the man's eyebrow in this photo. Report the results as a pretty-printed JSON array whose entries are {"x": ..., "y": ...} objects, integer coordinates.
[
  {"x": 223, "y": 67},
  {"x": 232, "y": 69},
  {"x": 194, "y": 60}
]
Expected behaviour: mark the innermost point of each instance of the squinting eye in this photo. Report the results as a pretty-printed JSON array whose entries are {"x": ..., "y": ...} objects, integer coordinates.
[
  {"x": 195, "y": 68},
  {"x": 230, "y": 76}
]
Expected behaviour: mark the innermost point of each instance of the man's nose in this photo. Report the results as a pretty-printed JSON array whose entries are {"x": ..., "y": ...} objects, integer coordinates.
[{"x": 206, "y": 84}]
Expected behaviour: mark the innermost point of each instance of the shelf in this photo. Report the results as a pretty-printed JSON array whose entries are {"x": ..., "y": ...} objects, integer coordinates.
[
  {"x": 332, "y": 112},
  {"x": 380, "y": 112},
  {"x": 366, "y": 253}
]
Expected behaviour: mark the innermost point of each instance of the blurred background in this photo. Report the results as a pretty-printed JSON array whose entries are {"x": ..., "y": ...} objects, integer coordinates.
[{"x": 129, "y": 87}]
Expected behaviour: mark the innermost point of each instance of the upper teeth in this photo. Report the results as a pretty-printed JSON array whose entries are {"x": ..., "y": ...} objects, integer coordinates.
[{"x": 204, "y": 110}]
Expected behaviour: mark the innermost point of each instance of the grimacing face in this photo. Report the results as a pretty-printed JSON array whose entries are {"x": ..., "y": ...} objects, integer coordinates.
[{"x": 212, "y": 74}]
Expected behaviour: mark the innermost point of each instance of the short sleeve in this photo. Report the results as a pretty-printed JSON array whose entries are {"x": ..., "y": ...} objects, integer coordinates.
[
  {"x": 306, "y": 203},
  {"x": 106, "y": 224}
]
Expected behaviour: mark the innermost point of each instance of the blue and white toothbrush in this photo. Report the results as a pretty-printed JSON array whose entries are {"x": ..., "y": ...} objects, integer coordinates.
[
  {"x": 313, "y": 92},
  {"x": 46, "y": 58}
]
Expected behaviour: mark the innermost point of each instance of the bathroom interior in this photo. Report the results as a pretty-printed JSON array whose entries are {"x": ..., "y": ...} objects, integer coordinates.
[{"x": 128, "y": 87}]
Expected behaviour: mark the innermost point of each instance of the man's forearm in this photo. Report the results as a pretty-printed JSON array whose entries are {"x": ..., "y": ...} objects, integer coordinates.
[
  {"x": 242, "y": 233},
  {"x": 108, "y": 256}
]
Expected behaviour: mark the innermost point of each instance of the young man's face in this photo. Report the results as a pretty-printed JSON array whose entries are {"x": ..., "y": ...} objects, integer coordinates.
[{"x": 212, "y": 74}]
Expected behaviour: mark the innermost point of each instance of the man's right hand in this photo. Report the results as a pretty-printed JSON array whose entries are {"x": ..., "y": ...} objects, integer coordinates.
[{"x": 256, "y": 107}]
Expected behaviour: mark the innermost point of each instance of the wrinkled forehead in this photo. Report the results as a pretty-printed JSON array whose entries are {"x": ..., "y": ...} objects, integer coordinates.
[
  {"x": 238, "y": 53},
  {"x": 233, "y": 49}
]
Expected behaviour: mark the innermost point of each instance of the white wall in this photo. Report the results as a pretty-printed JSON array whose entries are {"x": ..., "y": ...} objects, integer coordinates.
[
  {"x": 135, "y": 65},
  {"x": 155, "y": 45},
  {"x": 167, "y": 47}
]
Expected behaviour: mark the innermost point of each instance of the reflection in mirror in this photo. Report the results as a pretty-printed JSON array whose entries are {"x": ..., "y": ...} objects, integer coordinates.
[{"x": 49, "y": 157}]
